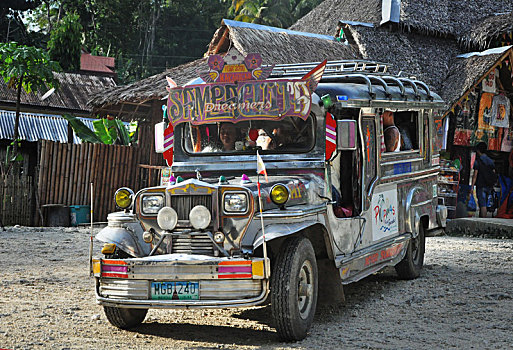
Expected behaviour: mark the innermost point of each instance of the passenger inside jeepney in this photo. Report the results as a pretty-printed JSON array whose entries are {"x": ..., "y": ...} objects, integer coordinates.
[
  {"x": 228, "y": 136},
  {"x": 290, "y": 134}
]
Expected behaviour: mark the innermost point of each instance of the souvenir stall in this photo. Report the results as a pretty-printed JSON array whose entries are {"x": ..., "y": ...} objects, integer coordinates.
[{"x": 483, "y": 115}]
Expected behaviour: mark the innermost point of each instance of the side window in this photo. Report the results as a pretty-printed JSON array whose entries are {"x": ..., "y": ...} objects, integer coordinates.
[
  {"x": 401, "y": 131},
  {"x": 369, "y": 147},
  {"x": 426, "y": 147}
]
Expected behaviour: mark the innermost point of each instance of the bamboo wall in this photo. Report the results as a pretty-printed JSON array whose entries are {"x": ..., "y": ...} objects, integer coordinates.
[
  {"x": 66, "y": 171},
  {"x": 16, "y": 200}
]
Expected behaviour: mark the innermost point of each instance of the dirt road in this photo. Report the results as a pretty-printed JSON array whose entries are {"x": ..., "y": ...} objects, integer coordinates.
[{"x": 463, "y": 299}]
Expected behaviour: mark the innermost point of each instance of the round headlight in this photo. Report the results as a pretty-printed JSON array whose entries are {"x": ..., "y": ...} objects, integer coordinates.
[
  {"x": 199, "y": 217},
  {"x": 279, "y": 194},
  {"x": 123, "y": 197},
  {"x": 167, "y": 218}
]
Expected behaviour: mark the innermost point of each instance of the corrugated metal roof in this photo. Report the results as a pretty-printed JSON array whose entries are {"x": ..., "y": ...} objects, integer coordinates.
[{"x": 34, "y": 127}]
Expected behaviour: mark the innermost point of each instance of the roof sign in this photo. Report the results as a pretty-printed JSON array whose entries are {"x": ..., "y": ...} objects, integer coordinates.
[{"x": 236, "y": 90}]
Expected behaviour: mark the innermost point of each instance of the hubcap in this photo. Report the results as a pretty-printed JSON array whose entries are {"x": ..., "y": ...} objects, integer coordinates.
[{"x": 305, "y": 289}]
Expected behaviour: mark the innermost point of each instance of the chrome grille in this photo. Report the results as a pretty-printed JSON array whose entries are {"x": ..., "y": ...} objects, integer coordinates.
[
  {"x": 183, "y": 204},
  {"x": 194, "y": 243}
]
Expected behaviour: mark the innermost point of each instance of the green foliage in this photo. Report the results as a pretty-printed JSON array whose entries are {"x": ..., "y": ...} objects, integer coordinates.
[
  {"x": 27, "y": 68},
  {"x": 107, "y": 131},
  {"x": 278, "y": 13},
  {"x": 30, "y": 66},
  {"x": 65, "y": 42}
]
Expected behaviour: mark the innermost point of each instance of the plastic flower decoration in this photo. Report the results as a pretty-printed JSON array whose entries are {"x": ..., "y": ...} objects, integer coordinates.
[
  {"x": 253, "y": 60},
  {"x": 216, "y": 62}
]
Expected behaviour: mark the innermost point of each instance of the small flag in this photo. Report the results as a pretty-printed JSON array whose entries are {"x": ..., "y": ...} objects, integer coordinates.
[{"x": 261, "y": 167}]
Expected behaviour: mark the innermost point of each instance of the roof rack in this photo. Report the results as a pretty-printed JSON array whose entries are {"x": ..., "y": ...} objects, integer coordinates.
[{"x": 332, "y": 68}]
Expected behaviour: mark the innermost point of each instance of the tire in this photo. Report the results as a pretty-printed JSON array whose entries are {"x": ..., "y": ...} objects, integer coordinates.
[
  {"x": 411, "y": 265},
  {"x": 124, "y": 318},
  {"x": 294, "y": 289}
]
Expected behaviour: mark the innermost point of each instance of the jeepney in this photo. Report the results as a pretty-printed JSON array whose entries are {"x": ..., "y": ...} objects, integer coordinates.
[{"x": 332, "y": 201}]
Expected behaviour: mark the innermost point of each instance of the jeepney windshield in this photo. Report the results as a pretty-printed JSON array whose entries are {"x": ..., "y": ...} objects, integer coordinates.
[{"x": 291, "y": 134}]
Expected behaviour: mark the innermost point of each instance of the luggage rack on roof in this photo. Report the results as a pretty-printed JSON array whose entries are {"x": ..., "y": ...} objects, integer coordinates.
[
  {"x": 332, "y": 67},
  {"x": 356, "y": 70}
]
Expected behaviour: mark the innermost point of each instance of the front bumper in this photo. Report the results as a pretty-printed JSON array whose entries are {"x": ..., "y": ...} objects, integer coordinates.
[{"x": 222, "y": 282}]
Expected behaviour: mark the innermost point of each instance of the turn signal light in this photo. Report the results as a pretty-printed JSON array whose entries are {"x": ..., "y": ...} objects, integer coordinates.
[{"x": 108, "y": 248}]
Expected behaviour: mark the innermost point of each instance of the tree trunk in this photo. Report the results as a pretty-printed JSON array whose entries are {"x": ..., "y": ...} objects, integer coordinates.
[{"x": 16, "y": 135}]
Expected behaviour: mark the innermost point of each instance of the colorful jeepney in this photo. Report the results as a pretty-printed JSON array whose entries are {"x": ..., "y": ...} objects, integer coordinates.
[{"x": 334, "y": 199}]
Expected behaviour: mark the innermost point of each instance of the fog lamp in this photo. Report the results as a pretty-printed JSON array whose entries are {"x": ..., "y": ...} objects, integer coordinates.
[
  {"x": 124, "y": 197},
  {"x": 199, "y": 217},
  {"x": 167, "y": 218},
  {"x": 108, "y": 248},
  {"x": 279, "y": 194}
]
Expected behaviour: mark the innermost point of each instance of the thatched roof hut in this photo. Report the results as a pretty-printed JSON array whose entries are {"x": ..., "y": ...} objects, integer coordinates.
[
  {"x": 468, "y": 70},
  {"x": 134, "y": 101},
  {"x": 482, "y": 34},
  {"x": 440, "y": 17},
  {"x": 277, "y": 45},
  {"x": 71, "y": 96}
]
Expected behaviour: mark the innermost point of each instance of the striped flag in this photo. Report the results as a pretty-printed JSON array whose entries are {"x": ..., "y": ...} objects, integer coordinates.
[
  {"x": 261, "y": 167},
  {"x": 331, "y": 135}
]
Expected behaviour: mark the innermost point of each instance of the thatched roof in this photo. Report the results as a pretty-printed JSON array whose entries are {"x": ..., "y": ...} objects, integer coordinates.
[
  {"x": 491, "y": 28},
  {"x": 427, "y": 58},
  {"x": 441, "y": 17},
  {"x": 324, "y": 18},
  {"x": 133, "y": 101},
  {"x": 276, "y": 45},
  {"x": 466, "y": 72},
  {"x": 71, "y": 96}
]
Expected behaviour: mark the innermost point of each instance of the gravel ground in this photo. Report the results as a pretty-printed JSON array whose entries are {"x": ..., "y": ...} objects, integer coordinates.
[{"x": 463, "y": 299}]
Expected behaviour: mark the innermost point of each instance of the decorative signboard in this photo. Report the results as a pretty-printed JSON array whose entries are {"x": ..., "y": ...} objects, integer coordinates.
[
  {"x": 384, "y": 214},
  {"x": 235, "y": 89}
]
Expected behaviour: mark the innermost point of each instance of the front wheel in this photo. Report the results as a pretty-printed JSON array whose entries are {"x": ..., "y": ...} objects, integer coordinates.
[
  {"x": 125, "y": 318},
  {"x": 294, "y": 289},
  {"x": 409, "y": 268}
]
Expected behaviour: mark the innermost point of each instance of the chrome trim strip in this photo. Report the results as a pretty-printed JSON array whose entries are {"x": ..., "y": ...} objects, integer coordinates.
[
  {"x": 429, "y": 201},
  {"x": 371, "y": 249},
  {"x": 411, "y": 176},
  {"x": 293, "y": 213},
  {"x": 419, "y": 159}
]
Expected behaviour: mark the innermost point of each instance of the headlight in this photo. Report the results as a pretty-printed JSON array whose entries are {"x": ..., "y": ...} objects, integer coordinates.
[
  {"x": 235, "y": 202},
  {"x": 151, "y": 204},
  {"x": 279, "y": 194},
  {"x": 167, "y": 218},
  {"x": 199, "y": 217},
  {"x": 123, "y": 197}
]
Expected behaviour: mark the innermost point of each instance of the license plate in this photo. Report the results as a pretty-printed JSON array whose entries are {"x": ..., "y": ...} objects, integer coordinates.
[{"x": 175, "y": 290}]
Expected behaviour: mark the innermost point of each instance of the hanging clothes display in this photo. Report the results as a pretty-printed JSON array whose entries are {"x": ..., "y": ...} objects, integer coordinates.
[
  {"x": 465, "y": 120},
  {"x": 489, "y": 84},
  {"x": 500, "y": 111},
  {"x": 486, "y": 132}
]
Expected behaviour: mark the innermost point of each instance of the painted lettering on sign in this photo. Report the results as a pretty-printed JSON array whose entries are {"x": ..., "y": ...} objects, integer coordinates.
[
  {"x": 384, "y": 207},
  {"x": 384, "y": 254},
  {"x": 241, "y": 101}
]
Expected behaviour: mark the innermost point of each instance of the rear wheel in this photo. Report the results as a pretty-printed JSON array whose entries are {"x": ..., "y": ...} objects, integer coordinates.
[
  {"x": 294, "y": 289},
  {"x": 409, "y": 268},
  {"x": 124, "y": 318}
]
